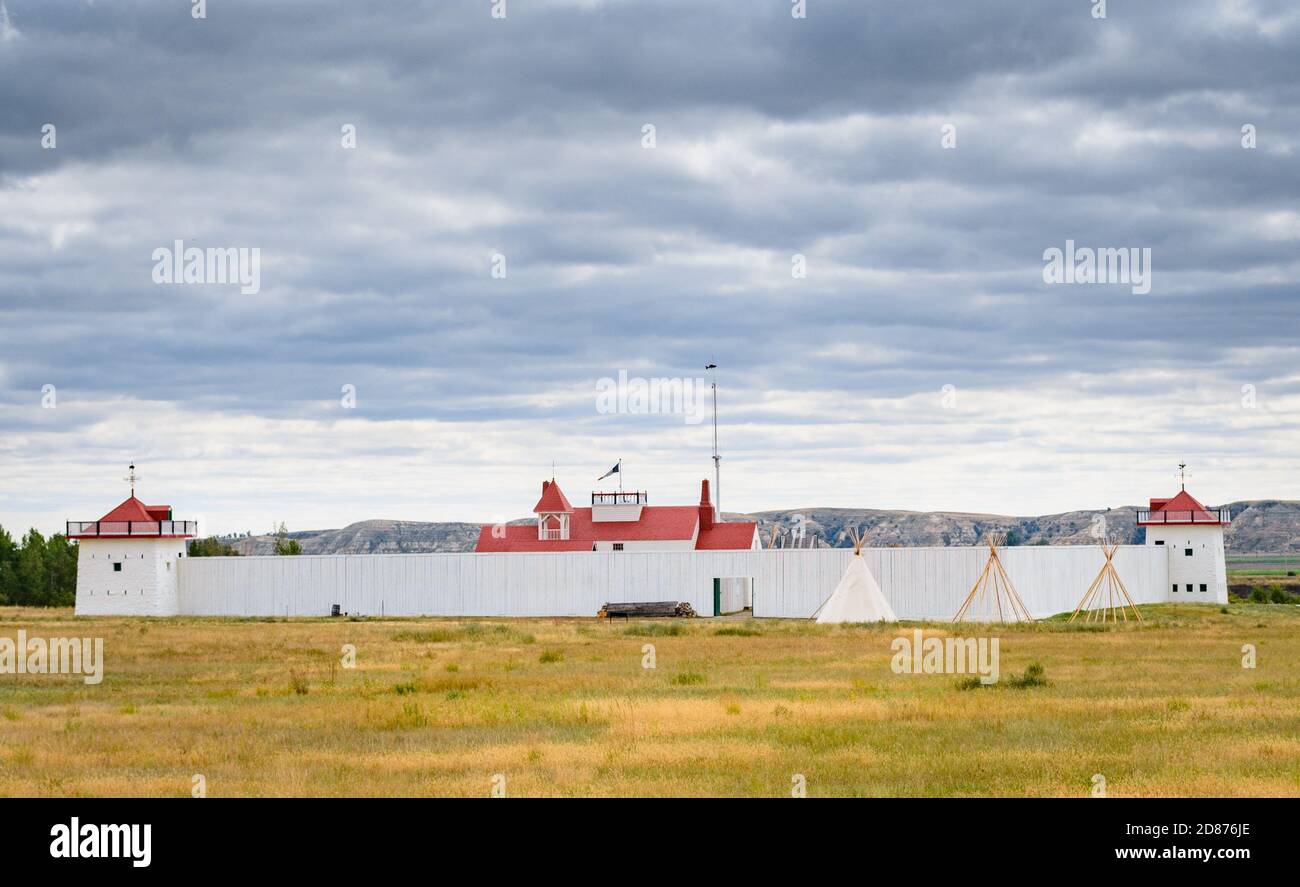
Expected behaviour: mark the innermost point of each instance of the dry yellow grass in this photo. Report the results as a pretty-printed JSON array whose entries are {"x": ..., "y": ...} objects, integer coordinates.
[{"x": 564, "y": 707}]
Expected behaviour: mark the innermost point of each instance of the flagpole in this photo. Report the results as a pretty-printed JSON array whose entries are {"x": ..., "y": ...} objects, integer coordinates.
[{"x": 717, "y": 460}]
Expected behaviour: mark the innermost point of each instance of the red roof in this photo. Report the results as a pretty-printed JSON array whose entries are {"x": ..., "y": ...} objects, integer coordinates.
[
  {"x": 553, "y": 499},
  {"x": 134, "y": 509},
  {"x": 1182, "y": 509},
  {"x": 524, "y": 538},
  {"x": 123, "y": 521},
  {"x": 727, "y": 537},
  {"x": 658, "y": 523}
]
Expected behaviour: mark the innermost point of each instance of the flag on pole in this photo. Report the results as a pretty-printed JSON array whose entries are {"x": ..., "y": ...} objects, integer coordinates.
[{"x": 617, "y": 469}]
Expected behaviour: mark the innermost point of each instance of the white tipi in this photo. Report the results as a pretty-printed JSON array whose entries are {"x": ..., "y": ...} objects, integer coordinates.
[{"x": 858, "y": 597}]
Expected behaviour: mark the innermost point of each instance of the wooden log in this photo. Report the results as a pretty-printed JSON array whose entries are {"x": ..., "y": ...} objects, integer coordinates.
[{"x": 645, "y": 609}]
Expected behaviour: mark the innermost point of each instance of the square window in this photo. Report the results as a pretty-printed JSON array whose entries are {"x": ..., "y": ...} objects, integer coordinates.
[
  {"x": 1187, "y": 552},
  {"x": 1189, "y": 586},
  {"x": 1204, "y": 587},
  {"x": 618, "y": 546},
  {"x": 1175, "y": 589},
  {"x": 117, "y": 567}
]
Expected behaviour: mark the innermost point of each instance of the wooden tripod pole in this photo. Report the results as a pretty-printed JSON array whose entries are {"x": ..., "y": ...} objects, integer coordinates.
[
  {"x": 994, "y": 581},
  {"x": 1109, "y": 577}
]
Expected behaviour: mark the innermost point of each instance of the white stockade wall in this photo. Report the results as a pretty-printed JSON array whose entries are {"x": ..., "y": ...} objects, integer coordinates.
[
  {"x": 920, "y": 583},
  {"x": 931, "y": 583}
]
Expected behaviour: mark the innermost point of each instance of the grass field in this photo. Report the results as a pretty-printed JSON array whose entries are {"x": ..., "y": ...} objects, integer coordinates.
[
  {"x": 1262, "y": 564},
  {"x": 564, "y": 707}
]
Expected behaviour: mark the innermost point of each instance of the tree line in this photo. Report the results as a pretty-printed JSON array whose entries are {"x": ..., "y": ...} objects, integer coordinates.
[{"x": 37, "y": 572}]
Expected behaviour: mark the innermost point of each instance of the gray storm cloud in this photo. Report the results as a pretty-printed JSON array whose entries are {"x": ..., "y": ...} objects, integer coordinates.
[{"x": 523, "y": 137}]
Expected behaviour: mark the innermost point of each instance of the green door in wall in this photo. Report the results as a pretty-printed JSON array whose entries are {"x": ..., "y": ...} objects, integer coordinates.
[{"x": 717, "y": 597}]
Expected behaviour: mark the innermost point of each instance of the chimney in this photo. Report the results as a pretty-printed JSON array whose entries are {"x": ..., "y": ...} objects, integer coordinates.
[
  {"x": 706, "y": 507},
  {"x": 545, "y": 484}
]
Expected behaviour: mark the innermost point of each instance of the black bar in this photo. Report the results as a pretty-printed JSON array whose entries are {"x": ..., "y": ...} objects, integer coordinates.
[{"x": 237, "y": 836}]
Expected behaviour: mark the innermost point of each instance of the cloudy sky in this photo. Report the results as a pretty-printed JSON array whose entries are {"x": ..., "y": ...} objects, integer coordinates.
[{"x": 915, "y": 160}]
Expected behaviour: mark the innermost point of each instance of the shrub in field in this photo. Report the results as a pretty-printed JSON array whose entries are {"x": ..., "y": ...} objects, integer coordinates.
[
  {"x": 411, "y": 717},
  {"x": 298, "y": 682},
  {"x": 688, "y": 678},
  {"x": 1259, "y": 595},
  {"x": 551, "y": 656},
  {"x": 1034, "y": 676}
]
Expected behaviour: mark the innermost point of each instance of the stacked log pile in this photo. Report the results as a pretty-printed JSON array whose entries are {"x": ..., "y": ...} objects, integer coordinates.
[{"x": 646, "y": 609}]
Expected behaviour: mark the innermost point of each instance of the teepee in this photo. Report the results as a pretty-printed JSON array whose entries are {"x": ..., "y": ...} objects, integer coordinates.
[
  {"x": 858, "y": 597},
  {"x": 1113, "y": 600},
  {"x": 990, "y": 588}
]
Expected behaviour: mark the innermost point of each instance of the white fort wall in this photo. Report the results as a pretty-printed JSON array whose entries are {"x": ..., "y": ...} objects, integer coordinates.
[{"x": 921, "y": 583}]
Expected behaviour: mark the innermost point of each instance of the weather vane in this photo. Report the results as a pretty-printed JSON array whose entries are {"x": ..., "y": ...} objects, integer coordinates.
[
  {"x": 131, "y": 478},
  {"x": 1182, "y": 475}
]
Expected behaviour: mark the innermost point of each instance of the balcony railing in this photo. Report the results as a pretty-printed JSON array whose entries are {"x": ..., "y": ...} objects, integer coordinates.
[
  {"x": 620, "y": 498},
  {"x": 133, "y": 528},
  {"x": 551, "y": 534},
  {"x": 1208, "y": 516}
]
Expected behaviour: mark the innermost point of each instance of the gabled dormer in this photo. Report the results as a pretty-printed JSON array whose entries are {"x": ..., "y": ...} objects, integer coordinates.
[{"x": 553, "y": 512}]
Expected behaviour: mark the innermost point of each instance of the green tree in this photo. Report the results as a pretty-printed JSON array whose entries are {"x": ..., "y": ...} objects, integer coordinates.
[
  {"x": 211, "y": 547},
  {"x": 33, "y": 579},
  {"x": 38, "y": 573},
  {"x": 61, "y": 570},
  {"x": 8, "y": 568},
  {"x": 283, "y": 544}
]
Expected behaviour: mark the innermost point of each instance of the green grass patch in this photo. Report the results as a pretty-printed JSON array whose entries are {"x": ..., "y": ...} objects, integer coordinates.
[{"x": 655, "y": 630}]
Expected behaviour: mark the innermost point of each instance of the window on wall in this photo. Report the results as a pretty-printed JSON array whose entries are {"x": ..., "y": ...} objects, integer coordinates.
[
  {"x": 117, "y": 567},
  {"x": 1204, "y": 587},
  {"x": 1160, "y": 542},
  {"x": 1175, "y": 589},
  {"x": 618, "y": 546},
  {"x": 1187, "y": 552},
  {"x": 1189, "y": 586}
]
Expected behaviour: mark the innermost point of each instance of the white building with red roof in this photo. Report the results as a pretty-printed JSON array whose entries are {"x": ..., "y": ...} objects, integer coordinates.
[
  {"x": 128, "y": 560},
  {"x": 619, "y": 522},
  {"x": 1193, "y": 538}
]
